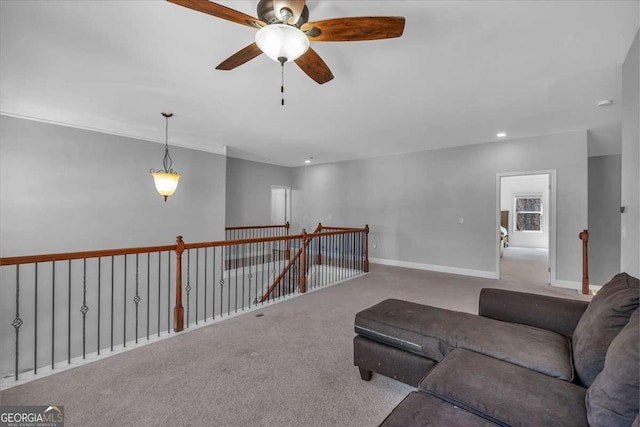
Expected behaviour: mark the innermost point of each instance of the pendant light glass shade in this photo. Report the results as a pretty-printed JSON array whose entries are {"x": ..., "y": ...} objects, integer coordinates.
[
  {"x": 282, "y": 42},
  {"x": 166, "y": 180}
]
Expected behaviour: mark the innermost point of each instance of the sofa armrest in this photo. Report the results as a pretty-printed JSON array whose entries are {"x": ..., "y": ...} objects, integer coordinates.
[{"x": 559, "y": 315}]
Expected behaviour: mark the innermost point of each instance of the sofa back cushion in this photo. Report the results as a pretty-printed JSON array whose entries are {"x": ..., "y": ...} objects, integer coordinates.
[
  {"x": 612, "y": 399},
  {"x": 607, "y": 314}
]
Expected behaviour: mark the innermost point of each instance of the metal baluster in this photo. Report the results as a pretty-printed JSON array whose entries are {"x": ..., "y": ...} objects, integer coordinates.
[
  {"x": 99, "y": 284},
  {"x": 17, "y": 322},
  {"x": 235, "y": 296},
  {"x": 198, "y": 284},
  {"x": 262, "y": 273},
  {"x": 124, "y": 305},
  {"x": 136, "y": 299},
  {"x": 332, "y": 259},
  {"x": 205, "y": 283},
  {"x": 148, "y": 289},
  {"x": 159, "y": 287},
  {"x": 309, "y": 258},
  {"x": 35, "y": 326},
  {"x": 229, "y": 290},
  {"x": 221, "y": 279},
  {"x": 243, "y": 263},
  {"x": 168, "y": 292},
  {"x": 84, "y": 309},
  {"x": 188, "y": 288},
  {"x": 69, "y": 319},
  {"x": 213, "y": 284},
  {"x": 112, "y": 283},
  {"x": 250, "y": 276},
  {"x": 53, "y": 314},
  {"x": 355, "y": 253}
]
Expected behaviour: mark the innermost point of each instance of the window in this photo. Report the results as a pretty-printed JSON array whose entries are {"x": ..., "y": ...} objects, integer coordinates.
[{"x": 528, "y": 212}]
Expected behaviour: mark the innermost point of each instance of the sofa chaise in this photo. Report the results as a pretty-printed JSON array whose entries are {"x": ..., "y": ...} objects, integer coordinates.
[{"x": 524, "y": 360}]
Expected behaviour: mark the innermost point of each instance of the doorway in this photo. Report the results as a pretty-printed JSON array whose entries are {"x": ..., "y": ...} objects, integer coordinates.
[
  {"x": 526, "y": 224},
  {"x": 280, "y": 205}
]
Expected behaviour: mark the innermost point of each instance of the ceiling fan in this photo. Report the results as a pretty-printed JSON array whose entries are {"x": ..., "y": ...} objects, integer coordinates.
[{"x": 284, "y": 32}]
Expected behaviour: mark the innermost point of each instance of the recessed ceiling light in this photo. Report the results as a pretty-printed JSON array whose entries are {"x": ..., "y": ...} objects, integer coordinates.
[
  {"x": 605, "y": 103},
  {"x": 501, "y": 134}
]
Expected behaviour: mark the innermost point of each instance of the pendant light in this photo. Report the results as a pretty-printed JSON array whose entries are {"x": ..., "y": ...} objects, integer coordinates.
[{"x": 166, "y": 180}]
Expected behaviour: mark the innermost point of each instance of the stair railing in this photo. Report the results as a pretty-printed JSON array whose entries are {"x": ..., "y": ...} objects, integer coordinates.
[
  {"x": 343, "y": 249},
  {"x": 70, "y": 306}
]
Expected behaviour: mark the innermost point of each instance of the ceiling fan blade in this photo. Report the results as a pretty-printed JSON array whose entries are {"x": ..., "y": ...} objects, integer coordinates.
[
  {"x": 295, "y": 6},
  {"x": 240, "y": 57},
  {"x": 355, "y": 29},
  {"x": 314, "y": 67},
  {"x": 220, "y": 11}
]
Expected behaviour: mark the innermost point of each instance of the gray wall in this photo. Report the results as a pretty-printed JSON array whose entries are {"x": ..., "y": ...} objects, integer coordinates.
[
  {"x": 630, "y": 220},
  {"x": 249, "y": 190},
  {"x": 413, "y": 202},
  {"x": 604, "y": 218},
  {"x": 66, "y": 189}
]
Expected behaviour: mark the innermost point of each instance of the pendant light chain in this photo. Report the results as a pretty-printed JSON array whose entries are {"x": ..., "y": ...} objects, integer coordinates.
[
  {"x": 166, "y": 181},
  {"x": 166, "y": 161}
]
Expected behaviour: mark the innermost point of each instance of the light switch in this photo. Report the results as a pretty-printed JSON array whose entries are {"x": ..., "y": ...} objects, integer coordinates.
[{"x": 461, "y": 220}]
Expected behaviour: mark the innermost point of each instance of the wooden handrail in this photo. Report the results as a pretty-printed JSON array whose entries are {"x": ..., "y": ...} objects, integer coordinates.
[
  {"x": 65, "y": 256},
  {"x": 267, "y": 239},
  {"x": 258, "y": 227},
  {"x": 303, "y": 247}
]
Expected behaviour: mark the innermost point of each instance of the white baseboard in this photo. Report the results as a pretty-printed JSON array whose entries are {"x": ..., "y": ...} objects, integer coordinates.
[
  {"x": 438, "y": 268},
  {"x": 569, "y": 284}
]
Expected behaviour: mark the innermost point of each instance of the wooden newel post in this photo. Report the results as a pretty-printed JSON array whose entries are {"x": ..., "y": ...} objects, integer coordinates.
[
  {"x": 287, "y": 251},
  {"x": 303, "y": 263},
  {"x": 584, "y": 236},
  {"x": 366, "y": 248},
  {"x": 319, "y": 254},
  {"x": 178, "y": 310}
]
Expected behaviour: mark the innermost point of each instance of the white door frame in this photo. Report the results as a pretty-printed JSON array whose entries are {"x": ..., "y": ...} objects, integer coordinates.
[{"x": 552, "y": 217}]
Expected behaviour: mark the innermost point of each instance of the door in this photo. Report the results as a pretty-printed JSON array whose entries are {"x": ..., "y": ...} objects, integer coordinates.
[
  {"x": 280, "y": 204},
  {"x": 527, "y": 201}
]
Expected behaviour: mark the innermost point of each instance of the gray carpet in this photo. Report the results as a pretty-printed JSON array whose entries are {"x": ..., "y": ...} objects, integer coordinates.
[
  {"x": 291, "y": 367},
  {"x": 525, "y": 265}
]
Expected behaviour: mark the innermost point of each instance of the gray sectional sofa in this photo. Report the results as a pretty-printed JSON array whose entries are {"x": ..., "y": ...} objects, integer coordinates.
[{"x": 525, "y": 360}]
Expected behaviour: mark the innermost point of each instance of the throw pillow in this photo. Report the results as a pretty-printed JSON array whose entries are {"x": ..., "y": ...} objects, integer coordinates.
[
  {"x": 604, "y": 318},
  {"x": 612, "y": 399}
]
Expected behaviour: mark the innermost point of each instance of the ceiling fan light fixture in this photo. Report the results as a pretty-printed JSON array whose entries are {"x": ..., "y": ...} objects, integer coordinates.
[{"x": 281, "y": 41}]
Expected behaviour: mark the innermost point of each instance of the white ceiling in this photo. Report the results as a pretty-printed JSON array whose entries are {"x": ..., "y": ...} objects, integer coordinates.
[{"x": 462, "y": 71}]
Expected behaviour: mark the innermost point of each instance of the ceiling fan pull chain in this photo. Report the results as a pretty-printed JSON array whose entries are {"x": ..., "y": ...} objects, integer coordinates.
[{"x": 282, "y": 83}]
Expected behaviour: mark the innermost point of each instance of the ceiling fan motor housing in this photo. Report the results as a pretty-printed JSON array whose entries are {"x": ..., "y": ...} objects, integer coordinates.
[{"x": 267, "y": 14}]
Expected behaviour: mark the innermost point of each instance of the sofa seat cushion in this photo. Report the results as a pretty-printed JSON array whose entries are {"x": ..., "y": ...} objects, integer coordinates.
[
  {"x": 507, "y": 394},
  {"x": 604, "y": 318},
  {"x": 433, "y": 332},
  {"x": 612, "y": 399},
  {"x": 422, "y": 410}
]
